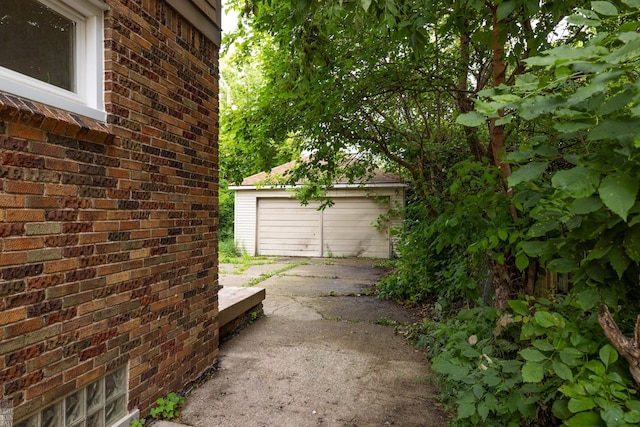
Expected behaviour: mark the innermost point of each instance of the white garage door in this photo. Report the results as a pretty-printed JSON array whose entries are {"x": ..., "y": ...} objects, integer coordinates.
[
  {"x": 345, "y": 229},
  {"x": 286, "y": 228},
  {"x": 349, "y": 229}
]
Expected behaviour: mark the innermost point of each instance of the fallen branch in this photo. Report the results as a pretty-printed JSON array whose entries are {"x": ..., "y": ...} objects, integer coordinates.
[{"x": 627, "y": 347}]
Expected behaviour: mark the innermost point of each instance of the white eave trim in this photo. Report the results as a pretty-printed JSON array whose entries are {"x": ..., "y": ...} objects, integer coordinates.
[
  {"x": 208, "y": 24},
  {"x": 334, "y": 187}
]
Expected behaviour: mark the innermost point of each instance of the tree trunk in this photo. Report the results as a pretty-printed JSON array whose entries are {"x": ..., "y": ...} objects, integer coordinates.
[
  {"x": 627, "y": 347},
  {"x": 465, "y": 103},
  {"x": 502, "y": 284},
  {"x": 499, "y": 69}
]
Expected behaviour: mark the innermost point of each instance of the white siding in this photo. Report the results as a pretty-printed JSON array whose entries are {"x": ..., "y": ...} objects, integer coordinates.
[
  {"x": 245, "y": 221},
  {"x": 349, "y": 228},
  {"x": 287, "y": 228},
  {"x": 350, "y": 223}
]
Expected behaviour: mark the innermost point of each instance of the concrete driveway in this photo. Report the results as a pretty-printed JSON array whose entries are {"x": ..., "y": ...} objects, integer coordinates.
[{"x": 324, "y": 354}]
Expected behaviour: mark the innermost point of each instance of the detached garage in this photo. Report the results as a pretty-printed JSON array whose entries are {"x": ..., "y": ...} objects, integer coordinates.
[{"x": 270, "y": 221}]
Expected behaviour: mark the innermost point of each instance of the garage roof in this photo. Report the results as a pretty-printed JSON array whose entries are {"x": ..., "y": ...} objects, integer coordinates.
[{"x": 380, "y": 178}]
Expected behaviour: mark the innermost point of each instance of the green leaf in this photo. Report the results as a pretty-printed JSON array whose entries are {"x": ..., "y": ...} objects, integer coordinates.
[
  {"x": 532, "y": 355},
  {"x": 630, "y": 51},
  {"x": 585, "y": 205},
  {"x": 564, "y": 127},
  {"x": 578, "y": 182},
  {"x": 595, "y": 366},
  {"x": 478, "y": 390},
  {"x": 619, "y": 260},
  {"x": 471, "y": 119},
  {"x": 613, "y": 415},
  {"x": 532, "y": 372},
  {"x": 632, "y": 417},
  {"x": 541, "y": 228},
  {"x": 584, "y": 419},
  {"x": 522, "y": 261},
  {"x": 570, "y": 355},
  {"x": 601, "y": 248},
  {"x": 365, "y": 4},
  {"x": 583, "y": 21},
  {"x": 505, "y": 8},
  {"x": 528, "y": 172},
  {"x": 589, "y": 298},
  {"x": 466, "y": 410},
  {"x": 560, "y": 409},
  {"x": 453, "y": 371},
  {"x": 511, "y": 366},
  {"x": 543, "y": 345},
  {"x": 483, "y": 410},
  {"x": 579, "y": 404},
  {"x": 519, "y": 307},
  {"x": 562, "y": 370},
  {"x": 604, "y": 8},
  {"x": 615, "y": 129},
  {"x": 632, "y": 3},
  {"x": 618, "y": 192},
  {"x": 632, "y": 243},
  {"x": 471, "y": 353},
  {"x": 608, "y": 355},
  {"x": 545, "y": 319},
  {"x": 562, "y": 265},
  {"x": 534, "y": 248}
]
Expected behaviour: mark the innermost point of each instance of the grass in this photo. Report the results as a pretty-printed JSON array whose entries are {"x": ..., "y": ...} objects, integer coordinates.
[
  {"x": 265, "y": 276},
  {"x": 229, "y": 253}
]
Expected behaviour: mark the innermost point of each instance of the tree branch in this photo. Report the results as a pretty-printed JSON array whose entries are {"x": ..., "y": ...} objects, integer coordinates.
[{"x": 627, "y": 347}]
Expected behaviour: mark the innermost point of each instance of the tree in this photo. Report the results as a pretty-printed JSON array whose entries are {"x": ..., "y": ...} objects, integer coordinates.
[
  {"x": 245, "y": 147},
  {"x": 387, "y": 79}
]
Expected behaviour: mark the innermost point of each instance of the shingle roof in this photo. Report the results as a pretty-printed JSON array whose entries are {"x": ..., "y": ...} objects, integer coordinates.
[{"x": 379, "y": 176}]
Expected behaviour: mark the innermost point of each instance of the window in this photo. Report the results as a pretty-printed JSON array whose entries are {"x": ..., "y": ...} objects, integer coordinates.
[
  {"x": 100, "y": 404},
  {"x": 51, "y": 51}
]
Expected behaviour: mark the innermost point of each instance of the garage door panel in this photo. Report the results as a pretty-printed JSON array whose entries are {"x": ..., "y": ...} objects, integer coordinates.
[
  {"x": 287, "y": 228},
  {"x": 345, "y": 229},
  {"x": 349, "y": 231}
]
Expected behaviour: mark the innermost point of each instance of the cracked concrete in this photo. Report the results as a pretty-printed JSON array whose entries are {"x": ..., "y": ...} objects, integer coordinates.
[{"x": 318, "y": 357}]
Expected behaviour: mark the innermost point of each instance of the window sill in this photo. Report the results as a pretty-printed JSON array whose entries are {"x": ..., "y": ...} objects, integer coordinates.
[{"x": 50, "y": 119}]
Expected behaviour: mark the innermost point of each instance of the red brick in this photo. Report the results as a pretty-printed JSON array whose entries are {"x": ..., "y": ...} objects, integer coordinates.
[
  {"x": 23, "y": 187},
  {"x": 76, "y": 371},
  {"x": 44, "y": 386},
  {"x": 23, "y": 327},
  {"x": 61, "y": 165},
  {"x": 7, "y": 201},
  {"x": 12, "y": 258},
  {"x": 60, "y": 265},
  {"x": 41, "y": 202},
  {"x": 12, "y": 316},
  {"x": 23, "y": 243},
  {"x": 25, "y": 132},
  {"x": 24, "y": 215}
]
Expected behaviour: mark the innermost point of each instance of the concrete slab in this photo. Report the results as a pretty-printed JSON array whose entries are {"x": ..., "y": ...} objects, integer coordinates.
[
  {"x": 316, "y": 360},
  {"x": 235, "y": 301},
  {"x": 230, "y": 276}
]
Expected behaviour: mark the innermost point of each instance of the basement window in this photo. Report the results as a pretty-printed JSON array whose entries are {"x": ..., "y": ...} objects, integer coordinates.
[
  {"x": 100, "y": 404},
  {"x": 51, "y": 51}
]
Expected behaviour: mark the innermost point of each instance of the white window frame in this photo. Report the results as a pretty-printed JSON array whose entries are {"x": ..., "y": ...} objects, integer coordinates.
[{"x": 88, "y": 97}]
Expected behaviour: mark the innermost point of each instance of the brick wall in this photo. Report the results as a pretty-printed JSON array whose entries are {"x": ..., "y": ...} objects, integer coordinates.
[{"x": 109, "y": 231}]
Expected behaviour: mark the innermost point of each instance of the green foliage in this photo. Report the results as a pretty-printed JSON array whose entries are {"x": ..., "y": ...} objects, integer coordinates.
[
  {"x": 578, "y": 183},
  {"x": 436, "y": 263},
  {"x": 542, "y": 363},
  {"x": 138, "y": 423},
  {"x": 225, "y": 213},
  {"x": 168, "y": 407}
]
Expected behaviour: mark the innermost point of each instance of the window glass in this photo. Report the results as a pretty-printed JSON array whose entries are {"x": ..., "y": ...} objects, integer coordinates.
[{"x": 37, "y": 41}]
